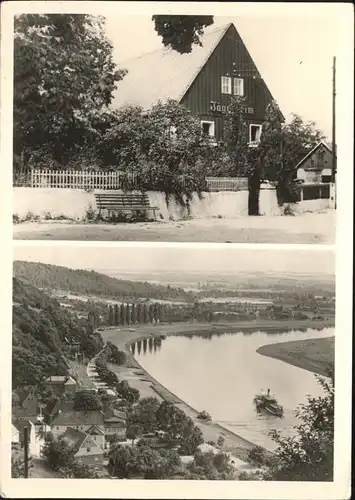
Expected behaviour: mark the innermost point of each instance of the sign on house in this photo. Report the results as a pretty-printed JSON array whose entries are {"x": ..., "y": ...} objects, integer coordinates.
[{"x": 217, "y": 107}]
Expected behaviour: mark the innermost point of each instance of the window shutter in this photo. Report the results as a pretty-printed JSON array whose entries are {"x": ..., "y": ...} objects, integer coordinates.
[
  {"x": 226, "y": 85},
  {"x": 238, "y": 86}
]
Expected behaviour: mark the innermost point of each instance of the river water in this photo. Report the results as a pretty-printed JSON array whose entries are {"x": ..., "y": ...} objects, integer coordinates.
[{"x": 222, "y": 373}]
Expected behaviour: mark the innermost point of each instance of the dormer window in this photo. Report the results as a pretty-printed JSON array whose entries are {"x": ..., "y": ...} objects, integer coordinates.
[
  {"x": 238, "y": 86},
  {"x": 226, "y": 85}
]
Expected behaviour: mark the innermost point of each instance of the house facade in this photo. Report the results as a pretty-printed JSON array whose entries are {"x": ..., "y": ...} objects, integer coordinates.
[
  {"x": 115, "y": 425},
  {"x": 78, "y": 420},
  {"x": 205, "y": 81},
  {"x": 61, "y": 384},
  {"x": 316, "y": 166},
  {"x": 101, "y": 427},
  {"x": 86, "y": 450}
]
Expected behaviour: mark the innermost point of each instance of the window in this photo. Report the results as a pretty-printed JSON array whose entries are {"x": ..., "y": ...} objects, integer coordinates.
[
  {"x": 254, "y": 134},
  {"x": 88, "y": 448},
  {"x": 226, "y": 85},
  {"x": 207, "y": 128},
  {"x": 238, "y": 86}
]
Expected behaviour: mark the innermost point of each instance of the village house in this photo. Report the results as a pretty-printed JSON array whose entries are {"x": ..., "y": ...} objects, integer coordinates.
[
  {"x": 79, "y": 420},
  {"x": 61, "y": 384},
  {"x": 101, "y": 426},
  {"x": 205, "y": 80},
  {"x": 86, "y": 450},
  {"x": 37, "y": 432},
  {"x": 115, "y": 425},
  {"x": 28, "y": 408},
  {"x": 316, "y": 166}
]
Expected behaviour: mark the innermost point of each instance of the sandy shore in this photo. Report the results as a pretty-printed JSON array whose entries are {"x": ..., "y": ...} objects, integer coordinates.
[
  {"x": 314, "y": 355},
  {"x": 148, "y": 386},
  {"x": 306, "y": 228}
]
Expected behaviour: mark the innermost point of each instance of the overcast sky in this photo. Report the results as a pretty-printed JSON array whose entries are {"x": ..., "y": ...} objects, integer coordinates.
[
  {"x": 293, "y": 53},
  {"x": 180, "y": 259}
]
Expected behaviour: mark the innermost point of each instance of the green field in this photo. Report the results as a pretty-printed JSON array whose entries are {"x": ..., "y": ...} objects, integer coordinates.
[{"x": 315, "y": 355}]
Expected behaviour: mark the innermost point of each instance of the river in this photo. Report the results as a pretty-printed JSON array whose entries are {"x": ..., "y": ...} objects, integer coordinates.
[{"x": 222, "y": 373}]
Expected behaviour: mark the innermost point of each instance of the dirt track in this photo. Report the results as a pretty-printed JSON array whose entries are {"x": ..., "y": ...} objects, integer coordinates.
[{"x": 303, "y": 229}]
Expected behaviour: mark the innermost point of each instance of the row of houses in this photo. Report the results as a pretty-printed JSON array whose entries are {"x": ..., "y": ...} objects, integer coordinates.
[{"x": 89, "y": 432}]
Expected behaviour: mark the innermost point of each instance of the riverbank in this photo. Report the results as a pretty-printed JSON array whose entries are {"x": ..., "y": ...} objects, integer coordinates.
[
  {"x": 138, "y": 378},
  {"x": 314, "y": 355}
]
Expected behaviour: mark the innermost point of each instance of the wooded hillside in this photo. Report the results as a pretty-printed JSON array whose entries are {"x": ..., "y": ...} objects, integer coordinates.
[
  {"x": 40, "y": 326},
  {"x": 90, "y": 282}
]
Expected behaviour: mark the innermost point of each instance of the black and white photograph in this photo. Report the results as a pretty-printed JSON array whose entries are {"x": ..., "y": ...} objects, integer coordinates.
[
  {"x": 184, "y": 364},
  {"x": 176, "y": 215},
  {"x": 176, "y": 128}
]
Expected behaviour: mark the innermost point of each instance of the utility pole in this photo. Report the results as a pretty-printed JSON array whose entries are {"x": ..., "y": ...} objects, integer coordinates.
[
  {"x": 334, "y": 155},
  {"x": 26, "y": 439}
]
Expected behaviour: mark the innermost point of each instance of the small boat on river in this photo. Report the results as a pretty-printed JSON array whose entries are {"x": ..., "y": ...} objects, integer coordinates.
[{"x": 266, "y": 403}]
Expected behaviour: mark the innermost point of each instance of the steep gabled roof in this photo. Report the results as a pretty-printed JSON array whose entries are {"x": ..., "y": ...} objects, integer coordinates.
[
  {"x": 74, "y": 437},
  {"x": 70, "y": 381},
  {"x": 78, "y": 418},
  {"x": 95, "y": 430},
  {"x": 316, "y": 147},
  {"x": 113, "y": 416},
  {"x": 164, "y": 74}
]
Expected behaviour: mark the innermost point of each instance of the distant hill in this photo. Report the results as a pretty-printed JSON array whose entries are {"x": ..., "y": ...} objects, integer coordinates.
[
  {"x": 47, "y": 276},
  {"x": 40, "y": 326}
]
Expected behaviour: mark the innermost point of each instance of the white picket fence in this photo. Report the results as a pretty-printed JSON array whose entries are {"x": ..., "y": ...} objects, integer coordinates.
[
  {"x": 79, "y": 179},
  {"x": 227, "y": 183},
  {"x": 91, "y": 180}
]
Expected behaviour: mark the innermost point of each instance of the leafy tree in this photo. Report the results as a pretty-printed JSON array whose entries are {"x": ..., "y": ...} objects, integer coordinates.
[
  {"x": 170, "y": 419},
  {"x": 129, "y": 393},
  {"x": 282, "y": 146},
  {"x": 134, "y": 314},
  {"x": 117, "y": 315},
  {"x": 308, "y": 456},
  {"x": 139, "y": 313},
  {"x": 86, "y": 402},
  {"x": 211, "y": 466},
  {"x": 122, "y": 314},
  {"x": 79, "y": 470},
  {"x": 191, "y": 438},
  {"x": 128, "y": 314},
  {"x": 64, "y": 75},
  {"x": 141, "y": 462},
  {"x": 133, "y": 431},
  {"x": 18, "y": 467},
  {"x": 151, "y": 313},
  {"x": 144, "y": 414},
  {"x": 181, "y": 32},
  {"x": 145, "y": 313},
  {"x": 111, "y": 320},
  {"x": 57, "y": 452}
]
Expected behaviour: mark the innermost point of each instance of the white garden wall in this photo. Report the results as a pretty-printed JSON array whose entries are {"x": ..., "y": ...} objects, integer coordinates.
[
  {"x": 74, "y": 204},
  {"x": 311, "y": 206}
]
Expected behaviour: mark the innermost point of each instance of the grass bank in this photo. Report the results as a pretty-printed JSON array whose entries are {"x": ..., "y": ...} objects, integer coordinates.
[{"x": 314, "y": 355}]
